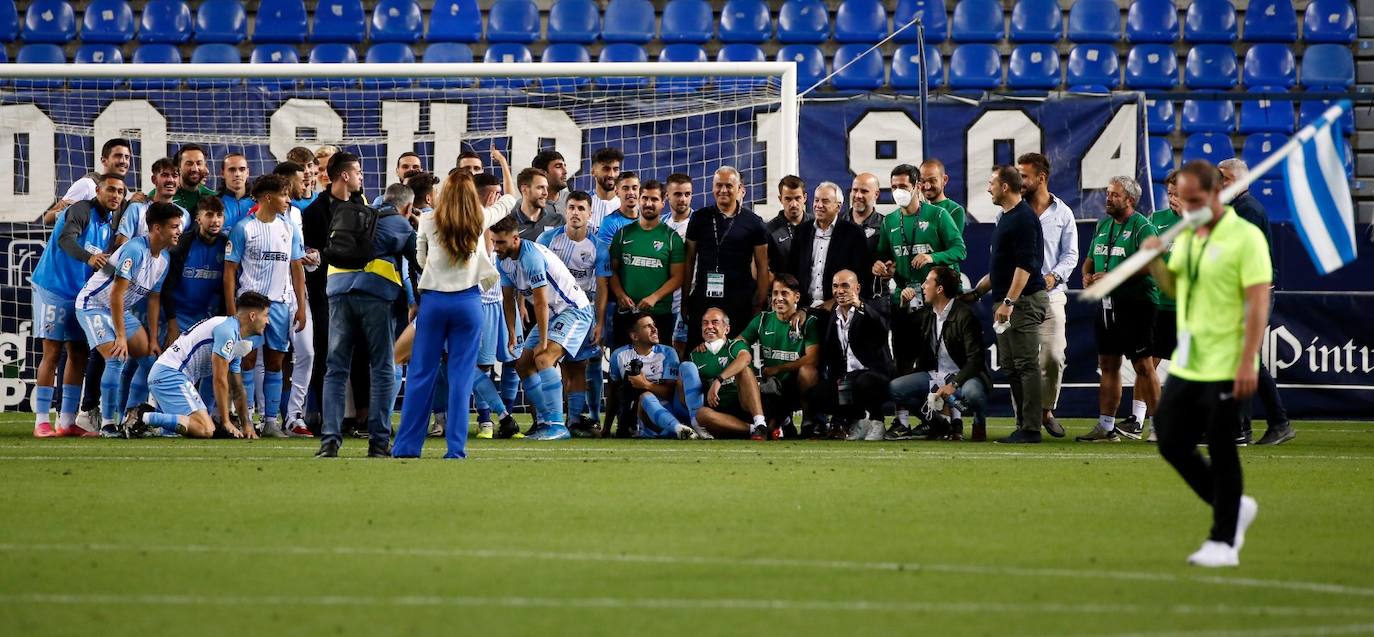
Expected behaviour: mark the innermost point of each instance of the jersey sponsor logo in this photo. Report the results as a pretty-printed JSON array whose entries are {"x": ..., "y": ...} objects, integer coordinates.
[
  {"x": 780, "y": 355},
  {"x": 228, "y": 349},
  {"x": 201, "y": 273},
  {"x": 645, "y": 262},
  {"x": 273, "y": 255},
  {"x": 126, "y": 267}
]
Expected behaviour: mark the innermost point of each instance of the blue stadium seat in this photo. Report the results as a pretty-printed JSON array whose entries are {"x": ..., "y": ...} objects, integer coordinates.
[
  {"x": 1258, "y": 147},
  {"x": 1208, "y": 116},
  {"x": 98, "y": 54},
  {"x": 506, "y": 53},
  {"x": 977, "y": 21},
  {"x": 1265, "y": 116},
  {"x": 398, "y": 21},
  {"x": 906, "y": 68},
  {"x": 1211, "y": 66},
  {"x": 42, "y": 53},
  {"x": 1312, "y": 109},
  {"x": 740, "y": 52},
  {"x": 158, "y": 53},
  {"x": 339, "y": 21},
  {"x": 810, "y": 63},
  {"x": 1271, "y": 21},
  {"x": 221, "y": 22},
  {"x": 214, "y": 53},
  {"x": 1033, "y": 67},
  {"x": 1093, "y": 68},
  {"x": 1270, "y": 65},
  {"x": 565, "y": 52},
  {"x": 447, "y": 52},
  {"x": 165, "y": 22},
  {"x": 745, "y": 21},
  {"x": 332, "y": 53},
  {"x": 687, "y": 21},
  {"x": 1095, "y": 21},
  {"x": 1159, "y": 116},
  {"x": 975, "y": 66},
  {"x": 1329, "y": 66},
  {"x": 1274, "y": 197},
  {"x": 9, "y": 22},
  {"x": 1151, "y": 66},
  {"x": 623, "y": 52},
  {"x": 273, "y": 54},
  {"x": 455, "y": 21},
  {"x": 1152, "y": 22},
  {"x": 803, "y": 21},
  {"x": 107, "y": 22},
  {"x": 280, "y": 22},
  {"x": 513, "y": 21},
  {"x": 682, "y": 52},
  {"x": 932, "y": 17},
  {"x": 866, "y": 72},
  {"x": 861, "y": 21},
  {"x": 574, "y": 21},
  {"x": 48, "y": 22},
  {"x": 1210, "y": 21},
  {"x": 1161, "y": 157},
  {"x": 388, "y": 53},
  {"x": 1331, "y": 21},
  {"x": 628, "y": 21},
  {"x": 1036, "y": 21},
  {"x": 1213, "y": 147}
]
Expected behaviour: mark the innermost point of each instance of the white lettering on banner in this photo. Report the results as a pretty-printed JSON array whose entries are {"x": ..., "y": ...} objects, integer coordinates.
[
  {"x": 14, "y": 350},
  {"x": 896, "y": 127},
  {"x": 1113, "y": 153},
  {"x": 21, "y": 258},
  {"x": 400, "y": 122},
  {"x": 526, "y": 126},
  {"x": 1340, "y": 359},
  {"x": 980, "y": 144},
  {"x": 449, "y": 123},
  {"x": 298, "y": 113},
  {"x": 27, "y": 119},
  {"x": 133, "y": 119},
  {"x": 768, "y": 131}
]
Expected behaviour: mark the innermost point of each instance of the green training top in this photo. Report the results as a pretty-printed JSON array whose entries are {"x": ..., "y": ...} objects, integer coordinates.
[
  {"x": 711, "y": 365},
  {"x": 956, "y": 212},
  {"x": 930, "y": 231},
  {"x": 1115, "y": 242},
  {"x": 188, "y": 199},
  {"x": 1162, "y": 220},
  {"x": 644, "y": 259},
  {"x": 778, "y": 344}
]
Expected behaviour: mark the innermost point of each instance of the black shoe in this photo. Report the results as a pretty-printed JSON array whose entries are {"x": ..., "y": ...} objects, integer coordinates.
[
  {"x": 1244, "y": 438},
  {"x": 133, "y": 425},
  {"x": 1130, "y": 427},
  {"x": 813, "y": 428},
  {"x": 507, "y": 428},
  {"x": 956, "y": 430},
  {"x": 789, "y": 430},
  {"x": 921, "y": 431},
  {"x": 1278, "y": 434},
  {"x": 328, "y": 449},
  {"x": 899, "y": 431},
  {"x": 938, "y": 427},
  {"x": 380, "y": 449},
  {"x": 585, "y": 427},
  {"x": 1054, "y": 428},
  {"x": 1021, "y": 436}
]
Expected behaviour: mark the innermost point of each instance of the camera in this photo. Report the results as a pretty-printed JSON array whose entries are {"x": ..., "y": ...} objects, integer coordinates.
[{"x": 635, "y": 368}]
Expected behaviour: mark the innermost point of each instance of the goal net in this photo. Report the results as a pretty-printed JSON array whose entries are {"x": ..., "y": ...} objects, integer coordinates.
[{"x": 664, "y": 117}]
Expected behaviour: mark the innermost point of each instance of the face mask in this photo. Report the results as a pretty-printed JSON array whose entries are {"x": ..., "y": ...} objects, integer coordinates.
[
  {"x": 242, "y": 347},
  {"x": 901, "y": 197},
  {"x": 715, "y": 345}
]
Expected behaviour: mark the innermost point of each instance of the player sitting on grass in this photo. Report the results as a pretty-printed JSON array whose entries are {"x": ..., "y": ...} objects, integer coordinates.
[
  {"x": 789, "y": 343},
  {"x": 646, "y": 372},
  {"x": 730, "y": 399},
  {"x": 212, "y": 348}
]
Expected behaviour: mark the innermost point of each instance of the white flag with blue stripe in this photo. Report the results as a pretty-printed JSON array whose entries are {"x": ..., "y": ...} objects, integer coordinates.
[{"x": 1319, "y": 193}]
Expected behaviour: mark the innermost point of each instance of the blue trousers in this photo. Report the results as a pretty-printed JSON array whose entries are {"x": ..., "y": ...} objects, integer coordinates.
[
  {"x": 449, "y": 321},
  {"x": 358, "y": 318},
  {"x": 911, "y": 391}
]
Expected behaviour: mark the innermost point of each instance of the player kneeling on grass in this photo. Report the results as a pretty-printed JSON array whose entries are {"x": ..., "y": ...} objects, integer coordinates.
[
  {"x": 562, "y": 316},
  {"x": 212, "y": 348},
  {"x": 646, "y": 372},
  {"x": 718, "y": 384},
  {"x": 789, "y": 344}
]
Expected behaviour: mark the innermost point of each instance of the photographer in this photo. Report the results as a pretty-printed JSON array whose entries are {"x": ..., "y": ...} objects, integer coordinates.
[{"x": 646, "y": 372}]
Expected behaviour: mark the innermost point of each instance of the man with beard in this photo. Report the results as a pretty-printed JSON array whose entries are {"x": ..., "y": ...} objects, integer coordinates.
[
  {"x": 789, "y": 347},
  {"x": 726, "y": 245},
  {"x": 115, "y": 158},
  {"x": 933, "y": 182},
  {"x": 470, "y": 162},
  {"x": 647, "y": 373},
  {"x": 407, "y": 163},
  {"x": 193, "y": 167},
  {"x": 133, "y": 222},
  {"x": 1060, "y": 257},
  {"x": 863, "y": 208},
  {"x": 553, "y": 165},
  {"x": 782, "y": 229},
  {"x": 605, "y": 169},
  {"x": 679, "y": 198},
  {"x": 646, "y": 265},
  {"x": 233, "y": 190},
  {"x": 627, "y": 193},
  {"x": 534, "y": 196}
]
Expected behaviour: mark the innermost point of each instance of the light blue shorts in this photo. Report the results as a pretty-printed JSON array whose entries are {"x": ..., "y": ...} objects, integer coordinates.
[
  {"x": 277, "y": 335},
  {"x": 680, "y": 330},
  {"x": 98, "y": 324},
  {"x": 568, "y": 328},
  {"x": 54, "y": 318},
  {"x": 175, "y": 393},
  {"x": 492, "y": 348}
]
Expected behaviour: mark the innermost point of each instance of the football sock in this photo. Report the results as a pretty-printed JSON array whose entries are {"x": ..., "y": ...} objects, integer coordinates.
[
  {"x": 165, "y": 422},
  {"x": 552, "y": 389},
  {"x": 510, "y": 385},
  {"x": 901, "y": 415},
  {"x": 271, "y": 394},
  {"x": 109, "y": 390},
  {"x": 660, "y": 418},
  {"x": 398, "y": 378},
  {"x": 533, "y": 395},
  {"x": 691, "y": 389},
  {"x": 71, "y": 401},
  {"x": 42, "y": 403},
  {"x": 760, "y": 422},
  {"x": 595, "y": 388},
  {"x": 1107, "y": 423},
  {"x": 487, "y": 396},
  {"x": 1138, "y": 410},
  {"x": 138, "y": 387},
  {"x": 577, "y": 403},
  {"x": 250, "y": 377}
]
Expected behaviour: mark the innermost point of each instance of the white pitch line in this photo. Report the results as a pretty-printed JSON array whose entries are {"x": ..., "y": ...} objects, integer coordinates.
[
  {"x": 571, "y": 455},
  {"x": 702, "y": 560},
  {"x": 1297, "y": 631}
]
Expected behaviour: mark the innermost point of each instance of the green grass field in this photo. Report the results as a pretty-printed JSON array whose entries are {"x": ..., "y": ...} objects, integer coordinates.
[{"x": 171, "y": 537}]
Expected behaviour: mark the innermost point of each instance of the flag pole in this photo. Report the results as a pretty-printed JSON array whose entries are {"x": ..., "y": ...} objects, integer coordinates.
[{"x": 1194, "y": 218}]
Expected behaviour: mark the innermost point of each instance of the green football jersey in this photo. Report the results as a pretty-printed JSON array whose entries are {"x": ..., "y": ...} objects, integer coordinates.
[
  {"x": 778, "y": 343},
  {"x": 956, "y": 212},
  {"x": 644, "y": 259},
  {"x": 1162, "y": 220},
  {"x": 1115, "y": 242},
  {"x": 711, "y": 365},
  {"x": 930, "y": 231}
]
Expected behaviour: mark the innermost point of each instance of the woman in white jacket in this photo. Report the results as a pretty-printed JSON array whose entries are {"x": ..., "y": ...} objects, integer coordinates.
[{"x": 450, "y": 317}]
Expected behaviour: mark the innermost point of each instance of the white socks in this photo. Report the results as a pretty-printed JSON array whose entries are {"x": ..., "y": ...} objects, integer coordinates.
[
  {"x": 1107, "y": 423},
  {"x": 1138, "y": 410}
]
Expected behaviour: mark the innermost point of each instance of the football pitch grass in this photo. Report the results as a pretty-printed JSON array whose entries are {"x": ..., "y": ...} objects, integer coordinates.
[{"x": 596, "y": 537}]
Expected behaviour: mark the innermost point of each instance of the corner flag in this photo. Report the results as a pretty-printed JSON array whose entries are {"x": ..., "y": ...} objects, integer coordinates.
[{"x": 1319, "y": 192}]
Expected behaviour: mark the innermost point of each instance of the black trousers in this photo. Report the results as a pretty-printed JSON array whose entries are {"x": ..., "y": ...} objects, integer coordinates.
[
  {"x": 869, "y": 393},
  {"x": 1188, "y": 410}
]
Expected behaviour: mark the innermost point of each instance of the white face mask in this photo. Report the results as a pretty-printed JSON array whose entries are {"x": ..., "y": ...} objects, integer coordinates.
[
  {"x": 715, "y": 345},
  {"x": 901, "y": 197},
  {"x": 242, "y": 347}
]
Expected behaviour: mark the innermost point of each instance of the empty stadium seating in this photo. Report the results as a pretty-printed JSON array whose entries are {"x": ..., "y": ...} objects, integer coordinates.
[
  {"x": 860, "y": 21},
  {"x": 1094, "y": 21},
  {"x": 977, "y": 21},
  {"x": 399, "y": 21},
  {"x": 747, "y": 21},
  {"x": 1036, "y": 21},
  {"x": 975, "y": 66},
  {"x": 513, "y": 21},
  {"x": 810, "y": 63},
  {"x": 9, "y": 21},
  {"x": 577, "y": 21},
  {"x": 682, "y": 52},
  {"x": 565, "y": 52},
  {"x": 97, "y": 54},
  {"x": 629, "y": 21},
  {"x": 455, "y": 21},
  {"x": 687, "y": 21},
  {"x": 49, "y": 22},
  {"x": 221, "y": 22},
  {"x": 803, "y": 21},
  {"x": 338, "y": 22},
  {"x": 933, "y": 19},
  {"x": 280, "y": 22},
  {"x": 906, "y": 68},
  {"x": 1329, "y": 21},
  {"x": 1093, "y": 68},
  {"x": 1152, "y": 22},
  {"x": 740, "y": 52},
  {"x": 1210, "y": 21},
  {"x": 107, "y": 22},
  {"x": 865, "y": 73},
  {"x": 1033, "y": 67},
  {"x": 1271, "y": 21},
  {"x": 165, "y": 22}
]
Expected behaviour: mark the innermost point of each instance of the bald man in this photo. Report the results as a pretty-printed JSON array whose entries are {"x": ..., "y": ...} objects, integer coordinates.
[
  {"x": 863, "y": 208},
  {"x": 718, "y": 384},
  {"x": 856, "y": 363}
]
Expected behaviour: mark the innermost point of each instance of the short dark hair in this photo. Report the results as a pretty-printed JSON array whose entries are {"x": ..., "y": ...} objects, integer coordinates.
[
  {"x": 225, "y": 160},
  {"x": 468, "y": 154},
  {"x": 526, "y": 176},
  {"x": 1172, "y": 179},
  {"x": 652, "y": 184},
  {"x": 1009, "y": 176},
  {"x": 270, "y": 183},
  {"x": 580, "y": 195},
  {"x": 113, "y": 144},
  {"x": 209, "y": 204},
  {"x": 159, "y": 213},
  {"x": 102, "y": 178},
  {"x": 485, "y": 180},
  {"x": 1207, "y": 176},
  {"x": 340, "y": 161},
  {"x": 300, "y": 155},
  {"x": 288, "y": 169},
  {"x": 791, "y": 182},
  {"x": 164, "y": 164},
  {"x": 546, "y": 157},
  {"x": 1039, "y": 162},
  {"x": 422, "y": 184},
  {"x": 912, "y": 173},
  {"x": 626, "y": 174},
  {"x": 185, "y": 147},
  {"x": 679, "y": 178},
  {"x": 607, "y": 155},
  {"x": 788, "y": 281},
  {"x": 409, "y": 153},
  {"x": 948, "y": 279},
  {"x": 506, "y": 225},
  {"x": 253, "y": 301}
]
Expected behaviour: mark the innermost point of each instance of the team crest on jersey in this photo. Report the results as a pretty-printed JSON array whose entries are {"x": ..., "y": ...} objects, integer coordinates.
[
  {"x": 126, "y": 267},
  {"x": 923, "y": 225},
  {"x": 658, "y": 245},
  {"x": 1126, "y": 234}
]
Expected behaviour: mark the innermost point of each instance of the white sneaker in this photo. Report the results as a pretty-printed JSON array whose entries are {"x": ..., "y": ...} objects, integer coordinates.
[
  {"x": 88, "y": 420},
  {"x": 272, "y": 429},
  {"x": 1214, "y": 555},
  {"x": 1249, "y": 508},
  {"x": 876, "y": 430},
  {"x": 858, "y": 430},
  {"x": 1153, "y": 437},
  {"x": 700, "y": 431},
  {"x": 684, "y": 432}
]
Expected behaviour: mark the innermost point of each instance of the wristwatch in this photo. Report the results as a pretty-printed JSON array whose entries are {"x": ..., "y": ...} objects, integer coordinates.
[{"x": 1009, "y": 302}]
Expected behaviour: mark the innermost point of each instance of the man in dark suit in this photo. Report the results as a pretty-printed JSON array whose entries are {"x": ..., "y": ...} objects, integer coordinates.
[
  {"x": 856, "y": 363},
  {"x": 826, "y": 245}
]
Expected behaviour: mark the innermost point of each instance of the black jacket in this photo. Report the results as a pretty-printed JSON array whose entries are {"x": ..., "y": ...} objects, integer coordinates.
[
  {"x": 867, "y": 338},
  {"x": 848, "y": 251},
  {"x": 963, "y": 337}
]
